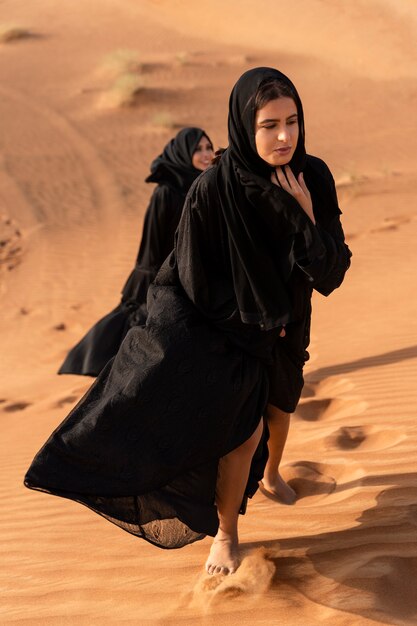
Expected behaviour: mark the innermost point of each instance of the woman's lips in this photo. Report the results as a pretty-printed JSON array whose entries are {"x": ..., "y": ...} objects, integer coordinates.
[{"x": 283, "y": 150}]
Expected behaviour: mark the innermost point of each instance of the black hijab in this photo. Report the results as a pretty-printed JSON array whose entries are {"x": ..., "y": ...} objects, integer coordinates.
[
  {"x": 174, "y": 166},
  {"x": 265, "y": 223}
]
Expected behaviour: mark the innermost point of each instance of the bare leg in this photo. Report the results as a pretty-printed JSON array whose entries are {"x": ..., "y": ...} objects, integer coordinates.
[
  {"x": 231, "y": 482},
  {"x": 278, "y": 424}
]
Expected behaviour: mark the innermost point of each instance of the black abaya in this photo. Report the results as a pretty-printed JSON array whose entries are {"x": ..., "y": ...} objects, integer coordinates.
[
  {"x": 174, "y": 173},
  {"x": 142, "y": 447}
]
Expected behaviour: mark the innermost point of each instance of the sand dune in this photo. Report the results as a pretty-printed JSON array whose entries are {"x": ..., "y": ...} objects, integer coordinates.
[{"x": 72, "y": 200}]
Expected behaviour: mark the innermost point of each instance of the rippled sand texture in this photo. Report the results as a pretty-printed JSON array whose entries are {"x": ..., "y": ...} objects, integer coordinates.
[{"x": 81, "y": 121}]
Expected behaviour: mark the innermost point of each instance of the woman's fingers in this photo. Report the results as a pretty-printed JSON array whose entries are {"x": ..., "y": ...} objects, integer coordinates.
[
  {"x": 292, "y": 181},
  {"x": 302, "y": 184},
  {"x": 287, "y": 180},
  {"x": 274, "y": 178},
  {"x": 295, "y": 187},
  {"x": 282, "y": 179}
]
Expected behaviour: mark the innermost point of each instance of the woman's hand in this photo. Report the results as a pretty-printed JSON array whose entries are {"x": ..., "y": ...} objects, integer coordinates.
[{"x": 284, "y": 178}]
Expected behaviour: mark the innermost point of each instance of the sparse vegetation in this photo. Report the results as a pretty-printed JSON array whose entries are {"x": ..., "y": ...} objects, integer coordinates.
[
  {"x": 123, "y": 91},
  {"x": 10, "y": 32},
  {"x": 120, "y": 62},
  {"x": 163, "y": 119},
  {"x": 239, "y": 59},
  {"x": 182, "y": 58},
  {"x": 122, "y": 70},
  {"x": 348, "y": 178}
]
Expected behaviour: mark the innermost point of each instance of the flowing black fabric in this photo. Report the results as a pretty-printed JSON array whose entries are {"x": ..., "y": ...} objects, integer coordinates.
[
  {"x": 174, "y": 173},
  {"x": 160, "y": 224},
  {"x": 142, "y": 447}
]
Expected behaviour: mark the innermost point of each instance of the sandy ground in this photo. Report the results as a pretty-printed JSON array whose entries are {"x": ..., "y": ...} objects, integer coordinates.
[{"x": 72, "y": 200}]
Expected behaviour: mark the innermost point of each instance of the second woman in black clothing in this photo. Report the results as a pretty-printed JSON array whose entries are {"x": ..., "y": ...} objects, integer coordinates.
[
  {"x": 183, "y": 159},
  {"x": 169, "y": 441}
]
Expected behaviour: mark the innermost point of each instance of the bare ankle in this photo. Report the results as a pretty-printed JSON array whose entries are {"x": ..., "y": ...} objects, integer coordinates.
[
  {"x": 227, "y": 535},
  {"x": 271, "y": 474},
  {"x": 276, "y": 486}
]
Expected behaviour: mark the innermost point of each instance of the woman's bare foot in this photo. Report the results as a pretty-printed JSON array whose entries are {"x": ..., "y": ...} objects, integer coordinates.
[
  {"x": 224, "y": 554},
  {"x": 279, "y": 488}
]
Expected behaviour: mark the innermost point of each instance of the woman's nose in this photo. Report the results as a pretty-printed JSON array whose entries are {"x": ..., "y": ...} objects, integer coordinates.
[{"x": 283, "y": 134}]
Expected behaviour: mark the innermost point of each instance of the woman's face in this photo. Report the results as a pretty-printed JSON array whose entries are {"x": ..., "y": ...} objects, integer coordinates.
[
  {"x": 203, "y": 154},
  {"x": 276, "y": 131}
]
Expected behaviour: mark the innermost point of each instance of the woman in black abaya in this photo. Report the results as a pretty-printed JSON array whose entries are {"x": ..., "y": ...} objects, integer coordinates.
[
  {"x": 169, "y": 441},
  {"x": 182, "y": 160}
]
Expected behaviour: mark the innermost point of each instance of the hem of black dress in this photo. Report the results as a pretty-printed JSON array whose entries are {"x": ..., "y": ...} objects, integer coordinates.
[{"x": 63, "y": 494}]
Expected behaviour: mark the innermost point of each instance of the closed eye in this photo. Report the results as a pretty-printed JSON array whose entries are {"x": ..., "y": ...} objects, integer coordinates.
[{"x": 289, "y": 123}]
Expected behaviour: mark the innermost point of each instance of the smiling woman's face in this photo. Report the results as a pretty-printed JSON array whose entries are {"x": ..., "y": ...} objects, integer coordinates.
[
  {"x": 277, "y": 131},
  {"x": 203, "y": 154}
]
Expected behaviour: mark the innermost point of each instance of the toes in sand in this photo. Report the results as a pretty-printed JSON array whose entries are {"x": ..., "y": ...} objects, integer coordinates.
[{"x": 223, "y": 557}]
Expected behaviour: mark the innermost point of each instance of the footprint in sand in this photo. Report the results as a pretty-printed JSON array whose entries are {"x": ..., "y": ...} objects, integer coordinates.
[
  {"x": 333, "y": 386},
  {"x": 391, "y": 223},
  {"x": 364, "y": 438},
  {"x": 327, "y": 387},
  {"x": 11, "y": 249},
  {"x": 388, "y": 224},
  {"x": 308, "y": 479},
  {"x": 60, "y": 326},
  {"x": 309, "y": 390},
  {"x": 322, "y": 408},
  {"x": 313, "y": 410},
  {"x": 16, "y": 406},
  {"x": 348, "y": 437},
  {"x": 351, "y": 236},
  {"x": 66, "y": 400}
]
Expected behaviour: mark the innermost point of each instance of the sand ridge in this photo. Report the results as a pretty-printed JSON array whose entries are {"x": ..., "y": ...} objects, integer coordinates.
[{"x": 72, "y": 200}]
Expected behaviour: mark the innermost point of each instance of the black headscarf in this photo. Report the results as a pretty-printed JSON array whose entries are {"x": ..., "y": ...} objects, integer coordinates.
[
  {"x": 174, "y": 166},
  {"x": 265, "y": 223},
  {"x": 241, "y": 123}
]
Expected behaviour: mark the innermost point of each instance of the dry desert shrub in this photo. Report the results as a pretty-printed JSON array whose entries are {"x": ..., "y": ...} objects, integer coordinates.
[
  {"x": 349, "y": 179},
  {"x": 10, "y": 32},
  {"x": 163, "y": 119},
  {"x": 239, "y": 59},
  {"x": 183, "y": 58},
  {"x": 123, "y": 92},
  {"x": 120, "y": 62},
  {"x": 121, "y": 69}
]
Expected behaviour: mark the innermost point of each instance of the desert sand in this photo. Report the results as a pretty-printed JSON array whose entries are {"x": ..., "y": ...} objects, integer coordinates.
[{"x": 72, "y": 198}]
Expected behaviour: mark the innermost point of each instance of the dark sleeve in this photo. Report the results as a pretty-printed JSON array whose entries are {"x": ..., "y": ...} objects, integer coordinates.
[
  {"x": 201, "y": 253},
  {"x": 161, "y": 220},
  {"x": 191, "y": 256},
  {"x": 326, "y": 272}
]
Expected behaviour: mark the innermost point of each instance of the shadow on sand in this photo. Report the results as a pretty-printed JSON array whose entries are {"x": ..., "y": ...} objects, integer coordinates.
[
  {"x": 369, "y": 569},
  {"x": 377, "y": 360}
]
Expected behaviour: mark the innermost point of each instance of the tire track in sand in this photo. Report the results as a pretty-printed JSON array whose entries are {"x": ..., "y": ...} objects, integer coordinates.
[{"x": 86, "y": 173}]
